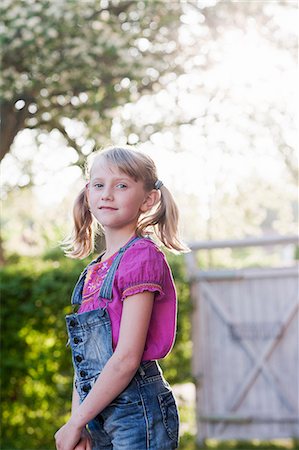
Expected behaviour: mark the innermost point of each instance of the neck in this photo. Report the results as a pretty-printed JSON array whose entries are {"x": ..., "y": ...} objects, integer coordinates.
[{"x": 115, "y": 239}]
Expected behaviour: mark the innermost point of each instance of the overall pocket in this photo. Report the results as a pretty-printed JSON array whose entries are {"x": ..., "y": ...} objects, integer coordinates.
[{"x": 169, "y": 414}]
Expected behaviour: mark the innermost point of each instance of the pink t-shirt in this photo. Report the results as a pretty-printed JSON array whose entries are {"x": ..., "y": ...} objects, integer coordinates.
[{"x": 142, "y": 268}]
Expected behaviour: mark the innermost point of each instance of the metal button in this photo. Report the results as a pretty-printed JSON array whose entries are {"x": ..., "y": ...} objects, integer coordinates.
[
  {"x": 73, "y": 323},
  {"x": 83, "y": 373},
  {"x": 76, "y": 340},
  {"x": 78, "y": 358},
  {"x": 101, "y": 312},
  {"x": 86, "y": 388}
]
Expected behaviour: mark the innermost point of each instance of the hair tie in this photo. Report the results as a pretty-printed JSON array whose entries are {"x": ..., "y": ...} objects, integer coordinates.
[{"x": 158, "y": 184}]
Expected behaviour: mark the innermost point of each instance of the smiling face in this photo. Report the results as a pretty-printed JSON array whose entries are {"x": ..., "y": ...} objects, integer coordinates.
[{"x": 115, "y": 199}]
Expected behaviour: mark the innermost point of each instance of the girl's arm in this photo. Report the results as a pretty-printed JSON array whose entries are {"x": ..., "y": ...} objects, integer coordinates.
[
  {"x": 75, "y": 398},
  {"x": 117, "y": 373},
  {"x": 84, "y": 442}
]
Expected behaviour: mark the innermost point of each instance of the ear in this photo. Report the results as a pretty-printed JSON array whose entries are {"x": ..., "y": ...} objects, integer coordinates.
[
  {"x": 150, "y": 200},
  {"x": 87, "y": 192}
]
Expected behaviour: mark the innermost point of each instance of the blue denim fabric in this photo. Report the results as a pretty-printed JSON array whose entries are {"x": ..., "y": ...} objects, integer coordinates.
[
  {"x": 144, "y": 416},
  {"x": 106, "y": 288}
]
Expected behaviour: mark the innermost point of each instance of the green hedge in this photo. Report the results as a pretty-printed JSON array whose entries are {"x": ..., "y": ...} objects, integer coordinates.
[{"x": 36, "y": 365}]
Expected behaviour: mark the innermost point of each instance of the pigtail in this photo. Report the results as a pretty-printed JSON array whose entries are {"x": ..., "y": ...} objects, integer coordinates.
[
  {"x": 81, "y": 242},
  {"x": 165, "y": 220}
]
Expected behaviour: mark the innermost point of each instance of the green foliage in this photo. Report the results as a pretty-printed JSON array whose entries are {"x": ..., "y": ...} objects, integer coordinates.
[
  {"x": 177, "y": 366},
  {"x": 36, "y": 365}
]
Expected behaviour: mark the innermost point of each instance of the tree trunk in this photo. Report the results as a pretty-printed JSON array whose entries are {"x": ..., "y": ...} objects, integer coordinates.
[
  {"x": 2, "y": 254},
  {"x": 12, "y": 122}
]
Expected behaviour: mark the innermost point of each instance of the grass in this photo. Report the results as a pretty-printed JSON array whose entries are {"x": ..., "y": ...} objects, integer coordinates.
[{"x": 188, "y": 442}]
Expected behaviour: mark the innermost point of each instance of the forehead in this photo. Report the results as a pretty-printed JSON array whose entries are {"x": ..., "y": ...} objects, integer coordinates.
[{"x": 101, "y": 167}]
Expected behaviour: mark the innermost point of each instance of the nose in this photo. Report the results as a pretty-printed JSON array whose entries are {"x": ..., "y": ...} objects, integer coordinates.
[{"x": 106, "y": 193}]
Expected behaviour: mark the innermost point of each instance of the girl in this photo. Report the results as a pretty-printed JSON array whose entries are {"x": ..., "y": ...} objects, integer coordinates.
[{"x": 127, "y": 310}]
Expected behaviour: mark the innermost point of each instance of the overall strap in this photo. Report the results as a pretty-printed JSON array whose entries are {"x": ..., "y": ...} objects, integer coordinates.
[
  {"x": 76, "y": 298},
  {"x": 106, "y": 288}
]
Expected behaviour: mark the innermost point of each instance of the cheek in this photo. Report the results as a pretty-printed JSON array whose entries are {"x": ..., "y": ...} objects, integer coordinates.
[{"x": 91, "y": 200}]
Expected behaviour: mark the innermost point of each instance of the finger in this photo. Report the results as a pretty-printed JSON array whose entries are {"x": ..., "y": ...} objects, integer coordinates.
[
  {"x": 80, "y": 445},
  {"x": 84, "y": 444},
  {"x": 88, "y": 445}
]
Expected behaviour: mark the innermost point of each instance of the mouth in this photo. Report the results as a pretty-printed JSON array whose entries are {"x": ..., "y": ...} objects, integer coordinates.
[{"x": 107, "y": 208}]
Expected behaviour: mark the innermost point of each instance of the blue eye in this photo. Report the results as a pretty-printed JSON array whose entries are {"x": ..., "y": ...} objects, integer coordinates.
[
  {"x": 98, "y": 185},
  {"x": 121, "y": 185}
]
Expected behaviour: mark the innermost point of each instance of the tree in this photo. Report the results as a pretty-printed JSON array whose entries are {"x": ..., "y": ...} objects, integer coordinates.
[
  {"x": 208, "y": 86},
  {"x": 80, "y": 60}
]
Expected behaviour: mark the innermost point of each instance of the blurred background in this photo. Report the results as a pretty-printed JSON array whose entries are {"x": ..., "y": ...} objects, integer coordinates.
[{"x": 207, "y": 88}]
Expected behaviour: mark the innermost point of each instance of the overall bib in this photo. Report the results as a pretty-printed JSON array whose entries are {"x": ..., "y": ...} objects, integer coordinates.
[{"x": 144, "y": 416}]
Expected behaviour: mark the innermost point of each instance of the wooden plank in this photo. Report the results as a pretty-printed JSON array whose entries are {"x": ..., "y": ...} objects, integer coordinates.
[
  {"x": 248, "y": 242},
  {"x": 242, "y": 274},
  {"x": 249, "y": 310},
  {"x": 238, "y": 419},
  {"x": 219, "y": 306},
  {"x": 260, "y": 364},
  {"x": 191, "y": 265}
]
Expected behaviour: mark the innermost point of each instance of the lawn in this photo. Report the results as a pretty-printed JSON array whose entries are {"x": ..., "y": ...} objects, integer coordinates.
[{"x": 187, "y": 442}]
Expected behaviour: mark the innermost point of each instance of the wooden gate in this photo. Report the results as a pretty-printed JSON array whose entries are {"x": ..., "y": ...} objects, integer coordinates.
[{"x": 245, "y": 348}]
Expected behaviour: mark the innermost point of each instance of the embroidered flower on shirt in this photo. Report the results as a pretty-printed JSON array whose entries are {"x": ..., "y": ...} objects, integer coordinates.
[{"x": 93, "y": 282}]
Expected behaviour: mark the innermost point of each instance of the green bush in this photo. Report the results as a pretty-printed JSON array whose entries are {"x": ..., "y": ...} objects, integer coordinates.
[{"x": 36, "y": 365}]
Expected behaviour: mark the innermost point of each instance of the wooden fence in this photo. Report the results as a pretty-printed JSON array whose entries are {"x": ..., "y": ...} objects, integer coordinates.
[{"x": 245, "y": 347}]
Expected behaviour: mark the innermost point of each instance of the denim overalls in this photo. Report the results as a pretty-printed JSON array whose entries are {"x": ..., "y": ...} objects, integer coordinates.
[{"x": 144, "y": 416}]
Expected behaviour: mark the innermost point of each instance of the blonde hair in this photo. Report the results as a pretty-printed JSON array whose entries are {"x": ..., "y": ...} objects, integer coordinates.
[{"x": 163, "y": 217}]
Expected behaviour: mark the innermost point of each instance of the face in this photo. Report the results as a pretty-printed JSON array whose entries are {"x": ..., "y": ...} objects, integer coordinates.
[{"x": 115, "y": 199}]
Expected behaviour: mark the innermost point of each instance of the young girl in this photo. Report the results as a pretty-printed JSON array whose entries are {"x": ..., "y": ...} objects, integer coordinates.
[{"x": 127, "y": 310}]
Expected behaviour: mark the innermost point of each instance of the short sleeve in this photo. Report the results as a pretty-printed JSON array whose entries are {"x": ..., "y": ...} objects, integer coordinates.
[{"x": 141, "y": 269}]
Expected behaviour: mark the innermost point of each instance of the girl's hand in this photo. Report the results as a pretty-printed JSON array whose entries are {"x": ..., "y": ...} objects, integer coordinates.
[
  {"x": 69, "y": 437},
  {"x": 85, "y": 441}
]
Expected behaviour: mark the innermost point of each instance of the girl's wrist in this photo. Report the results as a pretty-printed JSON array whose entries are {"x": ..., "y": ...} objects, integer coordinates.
[{"x": 77, "y": 421}]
